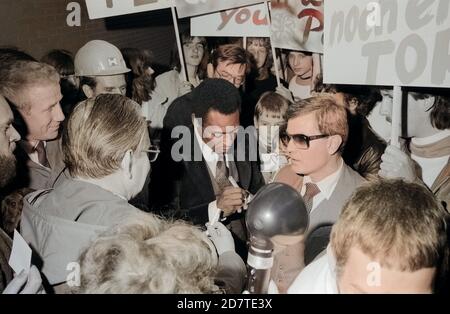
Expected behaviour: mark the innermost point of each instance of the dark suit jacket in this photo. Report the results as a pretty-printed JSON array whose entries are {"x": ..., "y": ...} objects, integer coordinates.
[{"x": 187, "y": 184}]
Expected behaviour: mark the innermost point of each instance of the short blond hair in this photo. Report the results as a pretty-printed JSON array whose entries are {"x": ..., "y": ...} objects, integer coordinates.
[
  {"x": 331, "y": 118},
  {"x": 399, "y": 224},
  {"x": 135, "y": 259},
  {"x": 24, "y": 75},
  {"x": 99, "y": 133}
]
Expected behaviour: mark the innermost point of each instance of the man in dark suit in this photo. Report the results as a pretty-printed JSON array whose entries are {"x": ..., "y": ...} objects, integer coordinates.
[{"x": 211, "y": 172}]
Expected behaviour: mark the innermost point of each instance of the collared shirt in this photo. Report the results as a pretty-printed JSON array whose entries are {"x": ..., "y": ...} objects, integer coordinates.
[
  {"x": 326, "y": 186},
  {"x": 31, "y": 151},
  {"x": 211, "y": 158}
]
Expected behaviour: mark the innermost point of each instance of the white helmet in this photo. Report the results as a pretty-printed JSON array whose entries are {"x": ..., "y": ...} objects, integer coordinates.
[{"x": 99, "y": 58}]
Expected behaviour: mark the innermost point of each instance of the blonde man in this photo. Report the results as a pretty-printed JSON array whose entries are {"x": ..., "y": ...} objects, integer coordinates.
[
  {"x": 105, "y": 149},
  {"x": 157, "y": 256},
  {"x": 390, "y": 238},
  {"x": 315, "y": 137},
  {"x": 33, "y": 89}
]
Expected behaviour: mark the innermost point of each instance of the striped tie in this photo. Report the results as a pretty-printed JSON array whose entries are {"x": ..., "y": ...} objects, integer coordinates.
[{"x": 222, "y": 175}]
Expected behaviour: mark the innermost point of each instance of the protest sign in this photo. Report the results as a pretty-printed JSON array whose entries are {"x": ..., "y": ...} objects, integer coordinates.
[
  {"x": 298, "y": 24},
  {"x": 106, "y": 8},
  {"x": 387, "y": 42},
  {"x": 251, "y": 21},
  {"x": 187, "y": 8}
]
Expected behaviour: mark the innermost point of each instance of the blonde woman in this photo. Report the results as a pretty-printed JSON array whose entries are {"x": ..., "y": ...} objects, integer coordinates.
[{"x": 148, "y": 255}]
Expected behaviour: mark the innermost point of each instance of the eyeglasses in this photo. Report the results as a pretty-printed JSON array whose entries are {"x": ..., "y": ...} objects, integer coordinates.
[
  {"x": 218, "y": 134},
  {"x": 152, "y": 153},
  {"x": 236, "y": 80},
  {"x": 301, "y": 141}
]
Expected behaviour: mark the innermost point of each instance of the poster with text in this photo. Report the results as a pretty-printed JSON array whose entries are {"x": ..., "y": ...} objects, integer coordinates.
[
  {"x": 106, "y": 8},
  {"x": 197, "y": 7},
  {"x": 387, "y": 42},
  {"x": 298, "y": 24},
  {"x": 251, "y": 21}
]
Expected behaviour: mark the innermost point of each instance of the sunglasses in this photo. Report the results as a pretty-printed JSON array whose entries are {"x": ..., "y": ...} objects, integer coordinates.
[{"x": 301, "y": 141}]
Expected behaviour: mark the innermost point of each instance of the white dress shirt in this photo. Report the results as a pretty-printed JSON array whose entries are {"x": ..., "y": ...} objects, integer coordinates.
[
  {"x": 211, "y": 158},
  {"x": 326, "y": 186},
  {"x": 34, "y": 155}
]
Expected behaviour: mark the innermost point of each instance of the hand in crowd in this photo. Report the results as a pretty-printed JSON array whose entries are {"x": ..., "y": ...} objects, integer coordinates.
[
  {"x": 185, "y": 87},
  {"x": 397, "y": 164},
  {"x": 26, "y": 283},
  {"x": 285, "y": 92},
  {"x": 221, "y": 237},
  {"x": 231, "y": 200}
]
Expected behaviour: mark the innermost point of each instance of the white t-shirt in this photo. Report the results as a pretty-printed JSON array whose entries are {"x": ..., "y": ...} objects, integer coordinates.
[{"x": 299, "y": 91}]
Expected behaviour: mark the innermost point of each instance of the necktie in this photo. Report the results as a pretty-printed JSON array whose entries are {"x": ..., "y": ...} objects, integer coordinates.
[
  {"x": 222, "y": 175},
  {"x": 311, "y": 191},
  {"x": 42, "y": 155}
]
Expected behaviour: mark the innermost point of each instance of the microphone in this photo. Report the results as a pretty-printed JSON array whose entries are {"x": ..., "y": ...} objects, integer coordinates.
[{"x": 276, "y": 210}]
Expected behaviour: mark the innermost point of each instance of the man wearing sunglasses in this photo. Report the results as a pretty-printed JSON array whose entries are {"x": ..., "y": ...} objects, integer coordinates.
[{"x": 315, "y": 137}]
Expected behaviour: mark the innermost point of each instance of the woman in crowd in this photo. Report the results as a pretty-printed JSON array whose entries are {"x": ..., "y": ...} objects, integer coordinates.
[
  {"x": 260, "y": 79},
  {"x": 140, "y": 81},
  {"x": 301, "y": 68},
  {"x": 146, "y": 254},
  {"x": 171, "y": 85}
]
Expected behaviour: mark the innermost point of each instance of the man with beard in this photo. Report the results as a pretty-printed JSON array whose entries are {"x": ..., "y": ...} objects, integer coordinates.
[{"x": 8, "y": 139}]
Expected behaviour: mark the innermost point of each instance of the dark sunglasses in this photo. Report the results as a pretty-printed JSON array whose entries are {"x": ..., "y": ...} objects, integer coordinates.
[{"x": 301, "y": 141}]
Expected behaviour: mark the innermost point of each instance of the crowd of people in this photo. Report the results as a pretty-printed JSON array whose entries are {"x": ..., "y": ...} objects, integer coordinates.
[{"x": 143, "y": 180}]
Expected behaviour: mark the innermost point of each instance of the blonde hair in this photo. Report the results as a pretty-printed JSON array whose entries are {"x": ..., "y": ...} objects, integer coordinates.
[
  {"x": 135, "y": 259},
  {"x": 398, "y": 223},
  {"x": 99, "y": 133},
  {"x": 331, "y": 118},
  {"x": 24, "y": 75}
]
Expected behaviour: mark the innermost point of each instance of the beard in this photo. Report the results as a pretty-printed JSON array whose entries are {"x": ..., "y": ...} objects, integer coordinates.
[{"x": 7, "y": 169}]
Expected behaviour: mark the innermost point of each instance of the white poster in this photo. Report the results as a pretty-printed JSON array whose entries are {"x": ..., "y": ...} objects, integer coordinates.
[
  {"x": 251, "y": 21},
  {"x": 106, "y": 8},
  {"x": 387, "y": 42},
  {"x": 196, "y": 7},
  {"x": 298, "y": 24}
]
